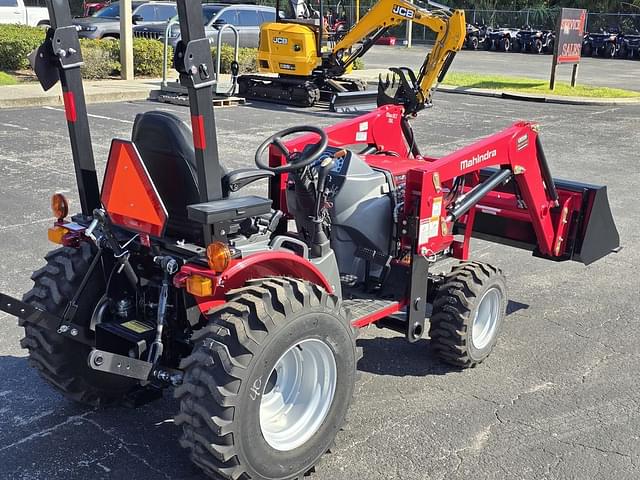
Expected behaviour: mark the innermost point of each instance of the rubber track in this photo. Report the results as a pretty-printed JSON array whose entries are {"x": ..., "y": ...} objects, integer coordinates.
[
  {"x": 452, "y": 307},
  {"x": 227, "y": 345}
]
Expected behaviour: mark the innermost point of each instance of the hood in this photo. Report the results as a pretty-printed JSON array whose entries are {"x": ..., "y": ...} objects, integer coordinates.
[
  {"x": 95, "y": 21},
  {"x": 151, "y": 27}
]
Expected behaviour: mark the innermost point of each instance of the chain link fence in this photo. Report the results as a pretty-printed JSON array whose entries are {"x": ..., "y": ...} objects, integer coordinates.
[{"x": 543, "y": 18}]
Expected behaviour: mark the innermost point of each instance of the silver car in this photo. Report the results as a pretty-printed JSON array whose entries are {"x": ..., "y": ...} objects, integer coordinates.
[{"x": 246, "y": 18}]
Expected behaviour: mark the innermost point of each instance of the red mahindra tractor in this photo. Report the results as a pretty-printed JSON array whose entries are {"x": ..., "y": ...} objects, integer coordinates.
[{"x": 169, "y": 276}]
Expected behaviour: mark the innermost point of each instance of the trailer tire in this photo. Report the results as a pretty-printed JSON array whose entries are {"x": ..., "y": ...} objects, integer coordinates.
[
  {"x": 468, "y": 312},
  {"x": 240, "y": 370},
  {"x": 61, "y": 361}
]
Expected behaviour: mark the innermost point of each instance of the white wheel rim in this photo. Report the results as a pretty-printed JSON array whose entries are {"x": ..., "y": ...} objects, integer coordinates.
[
  {"x": 485, "y": 321},
  {"x": 298, "y": 394}
]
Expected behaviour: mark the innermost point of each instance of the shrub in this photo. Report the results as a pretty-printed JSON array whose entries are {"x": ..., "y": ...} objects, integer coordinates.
[
  {"x": 358, "y": 64},
  {"x": 247, "y": 59},
  {"x": 147, "y": 57},
  {"x": 100, "y": 57},
  {"x": 16, "y": 43}
]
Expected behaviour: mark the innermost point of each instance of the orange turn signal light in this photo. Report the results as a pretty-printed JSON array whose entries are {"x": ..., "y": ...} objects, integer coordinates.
[
  {"x": 59, "y": 206},
  {"x": 218, "y": 256},
  {"x": 199, "y": 286},
  {"x": 56, "y": 234}
]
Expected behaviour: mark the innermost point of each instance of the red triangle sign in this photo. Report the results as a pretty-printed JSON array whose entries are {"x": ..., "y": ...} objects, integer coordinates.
[{"x": 128, "y": 193}]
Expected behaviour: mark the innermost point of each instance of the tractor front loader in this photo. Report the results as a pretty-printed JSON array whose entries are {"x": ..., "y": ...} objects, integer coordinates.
[{"x": 171, "y": 277}]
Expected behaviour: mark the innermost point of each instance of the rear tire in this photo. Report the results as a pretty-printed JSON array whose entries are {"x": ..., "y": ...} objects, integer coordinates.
[
  {"x": 241, "y": 367},
  {"x": 468, "y": 312},
  {"x": 62, "y": 362},
  {"x": 505, "y": 44}
]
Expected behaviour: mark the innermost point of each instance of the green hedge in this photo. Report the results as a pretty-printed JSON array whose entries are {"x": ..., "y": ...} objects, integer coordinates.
[
  {"x": 247, "y": 59},
  {"x": 16, "y": 42},
  {"x": 102, "y": 57}
]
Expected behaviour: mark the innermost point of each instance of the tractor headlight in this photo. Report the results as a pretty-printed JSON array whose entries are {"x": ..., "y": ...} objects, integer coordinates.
[{"x": 174, "y": 31}]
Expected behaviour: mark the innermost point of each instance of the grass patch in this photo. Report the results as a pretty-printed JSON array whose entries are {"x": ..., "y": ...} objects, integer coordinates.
[
  {"x": 6, "y": 79},
  {"x": 531, "y": 85}
]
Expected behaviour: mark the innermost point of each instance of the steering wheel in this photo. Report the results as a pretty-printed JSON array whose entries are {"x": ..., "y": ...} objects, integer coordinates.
[{"x": 295, "y": 160}]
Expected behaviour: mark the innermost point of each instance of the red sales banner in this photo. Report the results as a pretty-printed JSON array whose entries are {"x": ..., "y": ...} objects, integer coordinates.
[{"x": 569, "y": 35}]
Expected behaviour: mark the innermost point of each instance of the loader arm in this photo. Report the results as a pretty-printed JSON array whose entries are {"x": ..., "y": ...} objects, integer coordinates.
[{"x": 450, "y": 28}]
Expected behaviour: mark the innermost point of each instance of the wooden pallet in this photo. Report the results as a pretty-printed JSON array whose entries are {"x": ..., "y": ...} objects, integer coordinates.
[{"x": 183, "y": 100}]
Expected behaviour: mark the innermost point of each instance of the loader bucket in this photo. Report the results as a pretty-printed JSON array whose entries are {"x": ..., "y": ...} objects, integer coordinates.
[
  {"x": 346, "y": 102},
  {"x": 596, "y": 234},
  {"x": 592, "y": 233}
]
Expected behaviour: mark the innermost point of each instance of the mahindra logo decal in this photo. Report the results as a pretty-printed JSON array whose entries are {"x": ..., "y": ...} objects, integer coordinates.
[
  {"x": 403, "y": 11},
  {"x": 482, "y": 157}
]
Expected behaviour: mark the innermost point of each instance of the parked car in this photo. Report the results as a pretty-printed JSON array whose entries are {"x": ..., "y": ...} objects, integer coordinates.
[
  {"x": 106, "y": 22},
  {"x": 246, "y": 18},
  {"x": 24, "y": 12},
  {"x": 475, "y": 37},
  {"x": 91, "y": 8},
  {"x": 500, "y": 38},
  {"x": 603, "y": 43},
  {"x": 534, "y": 40}
]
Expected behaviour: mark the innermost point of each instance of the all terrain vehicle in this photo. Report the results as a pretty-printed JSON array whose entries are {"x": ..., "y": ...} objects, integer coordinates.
[
  {"x": 171, "y": 277},
  {"x": 501, "y": 39},
  {"x": 475, "y": 37},
  {"x": 602, "y": 44},
  {"x": 534, "y": 40},
  {"x": 629, "y": 45}
]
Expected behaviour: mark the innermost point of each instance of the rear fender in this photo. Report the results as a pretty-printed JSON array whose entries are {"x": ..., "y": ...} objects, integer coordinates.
[{"x": 258, "y": 265}]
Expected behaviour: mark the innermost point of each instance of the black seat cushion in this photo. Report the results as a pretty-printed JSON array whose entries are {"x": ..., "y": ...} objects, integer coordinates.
[{"x": 165, "y": 144}]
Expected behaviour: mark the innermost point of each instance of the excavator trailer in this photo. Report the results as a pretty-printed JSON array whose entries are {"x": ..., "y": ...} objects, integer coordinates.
[{"x": 171, "y": 278}]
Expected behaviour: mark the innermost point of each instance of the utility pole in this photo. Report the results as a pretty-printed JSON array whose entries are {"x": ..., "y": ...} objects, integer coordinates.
[
  {"x": 126, "y": 40},
  {"x": 409, "y": 31}
]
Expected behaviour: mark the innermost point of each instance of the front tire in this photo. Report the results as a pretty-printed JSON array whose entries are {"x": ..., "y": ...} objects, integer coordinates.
[
  {"x": 468, "y": 312},
  {"x": 269, "y": 382},
  {"x": 62, "y": 362}
]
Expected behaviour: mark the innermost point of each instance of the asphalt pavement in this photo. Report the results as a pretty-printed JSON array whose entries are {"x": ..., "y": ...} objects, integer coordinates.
[
  {"x": 558, "y": 398},
  {"x": 602, "y": 72}
]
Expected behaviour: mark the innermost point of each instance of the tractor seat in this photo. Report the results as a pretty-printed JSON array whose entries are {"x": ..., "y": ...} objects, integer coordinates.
[{"x": 165, "y": 144}]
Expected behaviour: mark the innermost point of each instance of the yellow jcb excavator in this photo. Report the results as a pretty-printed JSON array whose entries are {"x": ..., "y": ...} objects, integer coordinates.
[{"x": 310, "y": 61}]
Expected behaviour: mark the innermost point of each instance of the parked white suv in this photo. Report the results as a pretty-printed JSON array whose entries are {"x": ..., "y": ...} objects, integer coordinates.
[{"x": 24, "y": 12}]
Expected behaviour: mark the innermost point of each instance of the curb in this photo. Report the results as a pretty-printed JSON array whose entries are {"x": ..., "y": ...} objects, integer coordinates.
[
  {"x": 557, "y": 99},
  {"x": 56, "y": 100}
]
